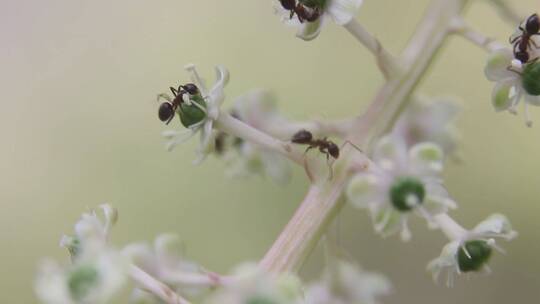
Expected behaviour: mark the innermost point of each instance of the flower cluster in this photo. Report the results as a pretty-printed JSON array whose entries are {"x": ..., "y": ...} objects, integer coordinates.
[
  {"x": 514, "y": 82},
  {"x": 309, "y": 16},
  {"x": 96, "y": 273},
  {"x": 401, "y": 181}
]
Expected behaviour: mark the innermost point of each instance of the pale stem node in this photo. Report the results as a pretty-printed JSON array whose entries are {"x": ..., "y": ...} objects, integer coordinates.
[
  {"x": 235, "y": 127},
  {"x": 157, "y": 288},
  {"x": 461, "y": 28},
  {"x": 386, "y": 62}
]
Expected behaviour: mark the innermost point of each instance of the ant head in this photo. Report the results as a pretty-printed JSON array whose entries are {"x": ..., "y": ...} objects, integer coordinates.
[
  {"x": 333, "y": 149},
  {"x": 166, "y": 112},
  {"x": 532, "y": 26},
  {"x": 522, "y": 56},
  {"x": 302, "y": 137},
  {"x": 288, "y": 4},
  {"x": 191, "y": 88}
]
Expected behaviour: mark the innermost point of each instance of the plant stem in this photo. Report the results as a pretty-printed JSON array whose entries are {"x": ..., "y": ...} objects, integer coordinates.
[
  {"x": 322, "y": 203},
  {"x": 157, "y": 288},
  {"x": 385, "y": 61},
  {"x": 235, "y": 127},
  {"x": 449, "y": 227}
]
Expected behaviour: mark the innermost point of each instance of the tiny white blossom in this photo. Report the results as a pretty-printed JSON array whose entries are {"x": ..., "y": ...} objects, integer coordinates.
[
  {"x": 471, "y": 250},
  {"x": 166, "y": 262},
  {"x": 91, "y": 231},
  {"x": 251, "y": 285},
  {"x": 430, "y": 121},
  {"x": 211, "y": 102},
  {"x": 513, "y": 82},
  {"x": 92, "y": 279},
  {"x": 257, "y": 108},
  {"x": 344, "y": 283},
  {"x": 401, "y": 181},
  {"x": 340, "y": 11}
]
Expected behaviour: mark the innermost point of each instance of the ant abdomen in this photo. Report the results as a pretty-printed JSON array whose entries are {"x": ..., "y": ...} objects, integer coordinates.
[{"x": 302, "y": 137}]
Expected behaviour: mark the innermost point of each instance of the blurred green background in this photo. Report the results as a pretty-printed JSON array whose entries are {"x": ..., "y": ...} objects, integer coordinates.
[{"x": 79, "y": 127}]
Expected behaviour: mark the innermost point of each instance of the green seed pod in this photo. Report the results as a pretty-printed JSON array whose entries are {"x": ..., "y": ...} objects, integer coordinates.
[
  {"x": 192, "y": 114},
  {"x": 402, "y": 189},
  {"x": 81, "y": 281},
  {"x": 314, "y": 3},
  {"x": 260, "y": 300},
  {"x": 478, "y": 255},
  {"x": 531, "y": 78}
]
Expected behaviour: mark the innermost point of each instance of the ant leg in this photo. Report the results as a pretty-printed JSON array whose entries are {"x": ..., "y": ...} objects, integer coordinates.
[
  {"x": 174, "y": 91},
  {"x": 512, "y": 40},
  {"x": 330, "y": 164},
  {"x": 350, "y": 143},
  {"x": 164, "y": 96},
  {"x": 306, "y": 165}
]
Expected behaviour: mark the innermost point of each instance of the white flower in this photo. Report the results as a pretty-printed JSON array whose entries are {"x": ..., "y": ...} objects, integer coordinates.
[
  {"x": 90, "y": 280},
  {"x": 401, "y": 181},
  {"x": 166, "y": 262},
  {"x": 209, "y": 105},
  {"x": 470, "y": 250},
  {"x": 340, "y": 11},
  {"x": 513, "y": 82},
  {"x": 257, "y": 108},
  {"x": 251, "y": 285},
  {"x": 345, "y": 283},
  {"x": 430, "y": 121},
  {"x": 91, "y": 231}
]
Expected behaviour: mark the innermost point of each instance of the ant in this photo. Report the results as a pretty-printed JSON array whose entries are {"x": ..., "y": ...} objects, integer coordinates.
[
  {"x": 167, "y": 109},
  {"x": 326, "y": 146},
  {"x": 524, "y": 40},
  {"x": 304, "y": 13}
]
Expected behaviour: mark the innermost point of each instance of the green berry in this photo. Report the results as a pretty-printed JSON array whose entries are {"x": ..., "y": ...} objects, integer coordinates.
[
  {"x": 260, "y": 300},
  {"x": 314, "y": 3},
  {"x": 192, "y": 114},
  {"x": 402, "y": 189},
  {"x": 479, "y": 253},
  {"x": 531, "y": 78},
  {"x": 81, "y": 281}
]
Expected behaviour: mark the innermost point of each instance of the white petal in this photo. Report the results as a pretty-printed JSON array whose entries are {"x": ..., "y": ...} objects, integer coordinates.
[
  {"x": 447, "y": 260},
  {"x": 427, "y": 156},
  {"x": 216, "y": 93},
  {"x": 363, "y": 190},
  {"x": 310, "y": 30},
  {"x": 495, "y": 225},
  {"x": 389, "y": 152},
  {"x": 497, "y": 65},
  {"x": 343, "y": 11},
  {"x": 501, "y": 98}
]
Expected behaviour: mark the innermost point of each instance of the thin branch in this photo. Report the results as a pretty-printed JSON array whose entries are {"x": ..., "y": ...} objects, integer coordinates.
[
  {"x": 507, "y": 11},
  {"x": 386, "y": 62},
  {"x": 462, "y": 29},
  {"x": 152, "y": 285},
  {"x": 235, "y": 127}
]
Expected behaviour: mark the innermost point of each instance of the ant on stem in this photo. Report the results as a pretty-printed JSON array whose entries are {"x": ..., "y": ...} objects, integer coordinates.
[{"x": 325, "y": 146}]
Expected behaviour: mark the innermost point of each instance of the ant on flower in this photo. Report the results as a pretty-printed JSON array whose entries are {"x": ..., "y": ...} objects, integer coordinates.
[
  {"x": 167, "y": 109},
  {"x": 523, "y": 41},
  {"x": 325, "y": 146},
  {"x": 303, "y": 11}
]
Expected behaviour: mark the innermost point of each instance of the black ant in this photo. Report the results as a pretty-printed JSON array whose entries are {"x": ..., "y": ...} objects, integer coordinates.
[
  {"x": 167, "y": 109},
  {"x": 524, "y": 40},
  {"x": 304, "y": 13},
  {"x": 325, "y": 146}
]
